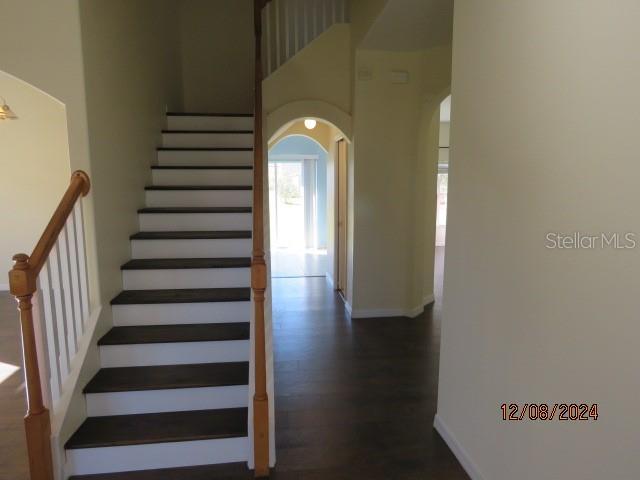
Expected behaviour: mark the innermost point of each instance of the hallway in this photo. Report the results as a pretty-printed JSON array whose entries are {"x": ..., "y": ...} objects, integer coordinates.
[{"x": 355, "y": 398}]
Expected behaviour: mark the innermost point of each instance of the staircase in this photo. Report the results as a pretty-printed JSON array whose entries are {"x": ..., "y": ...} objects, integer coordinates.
[{"x": 171, "y": 398}]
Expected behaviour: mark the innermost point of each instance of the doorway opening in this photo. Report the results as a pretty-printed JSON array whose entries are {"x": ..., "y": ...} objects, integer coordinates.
[
  {"x": 443, "y": 172},
  {"x": 442, "y": 187},
  {"x": 297, "y": 199},
  {"x": 308, "y": 202}
]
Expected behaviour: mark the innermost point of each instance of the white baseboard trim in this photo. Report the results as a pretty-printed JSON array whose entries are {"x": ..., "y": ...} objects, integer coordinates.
[
  {"x": 390, "y": 312},
  {"x": 4, "y": 287},
  {"x": 348, "y": 308},
  {"x": 428, "y": 299},
  {"x": 330, "y": 280},
  {"x": 463, "y": 457},
  {"x": 384, "y": 312}
]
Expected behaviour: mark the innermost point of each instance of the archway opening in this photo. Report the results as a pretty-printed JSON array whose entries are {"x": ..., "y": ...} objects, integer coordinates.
[{"x": 306, "y": 191}]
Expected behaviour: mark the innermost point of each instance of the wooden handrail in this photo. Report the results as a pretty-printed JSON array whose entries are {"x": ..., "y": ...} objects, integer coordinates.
[
  {"x": 259, "y": 268},
  {"x": 23, "y": 284},
  {"x": 79, "y": 185}
]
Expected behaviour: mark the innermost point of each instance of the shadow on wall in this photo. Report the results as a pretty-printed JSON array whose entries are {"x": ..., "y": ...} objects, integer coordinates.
[{"x": 35, "y": 167}]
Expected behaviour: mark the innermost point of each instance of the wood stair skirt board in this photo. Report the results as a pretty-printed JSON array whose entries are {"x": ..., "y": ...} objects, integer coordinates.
[{"x": 171, "y": 398}]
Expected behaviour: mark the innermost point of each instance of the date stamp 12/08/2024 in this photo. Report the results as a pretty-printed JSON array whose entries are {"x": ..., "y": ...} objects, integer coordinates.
[{"x": 563, "y": 412}]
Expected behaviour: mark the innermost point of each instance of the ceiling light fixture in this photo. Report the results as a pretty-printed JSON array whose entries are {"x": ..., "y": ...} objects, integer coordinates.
[
  {"x": 5, "y": 111},
  {"x": 310, "y": 123}
]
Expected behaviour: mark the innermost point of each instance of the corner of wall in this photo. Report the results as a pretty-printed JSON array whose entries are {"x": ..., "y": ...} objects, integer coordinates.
[{"x": 458, "y": 450}]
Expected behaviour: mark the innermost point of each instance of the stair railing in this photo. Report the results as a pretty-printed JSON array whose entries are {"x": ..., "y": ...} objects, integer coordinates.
[
  {"x": 51, "y": 289},
  {"x": 290, "y": 25},
  {"x": 259, "y": 267}
]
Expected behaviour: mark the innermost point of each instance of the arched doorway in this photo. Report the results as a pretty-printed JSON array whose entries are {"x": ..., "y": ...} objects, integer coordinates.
[{"x": 308, "y": 201}]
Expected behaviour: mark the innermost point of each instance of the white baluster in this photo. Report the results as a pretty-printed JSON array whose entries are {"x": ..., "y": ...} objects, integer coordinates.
[
  {"x": 54, "y": 281},
  {"x": 287, "y": 30},
  {"x": 65, "y": 278},
  {"x": 45, "y": 305},
  {"x": 74, "y": 274},
  {"x": 296, "y": 26},
  {"x": 78, "y": 218},
  {"x": 267, "y": 15},
  {"x": 307, "y": 22},
  {"x": 276, "y": 6},
  {"x": 325, "y": 16}
]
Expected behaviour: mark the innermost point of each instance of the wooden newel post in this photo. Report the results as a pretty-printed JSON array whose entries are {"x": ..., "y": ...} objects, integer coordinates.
[
  {"x": 259, "y": 268},
  {"x": 22, "y": 282}
]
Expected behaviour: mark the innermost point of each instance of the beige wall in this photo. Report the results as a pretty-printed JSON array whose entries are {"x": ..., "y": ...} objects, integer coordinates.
[
  {"x": 217, "y": 55},
  {"x": 34, "y": 158},
  {"x": 544, "y": 140},
  {"x": 316, "y": 82},
  {"x": 129, "y": 73},
  {"x": 130, "y": 67},
  {"x": 50, "y": 59},
  {"x": 321, "y": 72},
  {"x": 394, "y": 178}
]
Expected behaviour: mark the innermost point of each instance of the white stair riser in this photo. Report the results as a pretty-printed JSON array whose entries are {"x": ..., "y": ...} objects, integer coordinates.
[
  {"x": 86, "y": 461},
  {"x": 171, "y": 222},
  {"x": 199, "y": 122},
  {"x": 186, "y": 278},
  {"x": 141, "y": 355},
  {"x": 207, "y": 140},
  {"x": 202, "y": 177},
  {"x": 198, "y": 198},
  {"x": 205, "y": 157},
  {"x": 170, "y": 400},
  {"x": 181, "y": 313},
  {"x": 205, "y": 248}
]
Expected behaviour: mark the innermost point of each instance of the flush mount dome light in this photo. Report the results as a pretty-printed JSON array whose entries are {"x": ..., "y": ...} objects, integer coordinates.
[
  {"x": 310, "y": 123},
  {"x": 5, "y": 111}
]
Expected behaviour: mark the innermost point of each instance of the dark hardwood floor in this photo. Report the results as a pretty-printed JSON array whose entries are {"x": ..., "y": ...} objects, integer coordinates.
[
  {"x": 355, "y": 399},
  {"x": 13, "y": 449}
]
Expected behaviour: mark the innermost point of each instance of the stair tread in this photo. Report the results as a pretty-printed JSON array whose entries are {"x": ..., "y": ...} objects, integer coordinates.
[
  {"x": 202, "y": 167},
  {"x": 195, "y": 210},
  {"x": 127, "y": 379},
  {"x": 206, "y": 149},
  {"x": 183, "y": 295},
  {"x": 208, "y": 131},
  {"x": 178, "y": 263},
  {"x": 120, "y": 430},
  {"x": 192, "y": 235},
  {"x": 197, "y": 332},
  {"x": 204, "y": 114},
  {"x": 228, "y": 471},
  {"x": 199, "y": 187}
]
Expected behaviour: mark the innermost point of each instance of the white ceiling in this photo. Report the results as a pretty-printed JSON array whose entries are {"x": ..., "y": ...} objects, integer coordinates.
[
  {"x": 409, "y": 25},
  {"x": 445, "y": 110}
]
